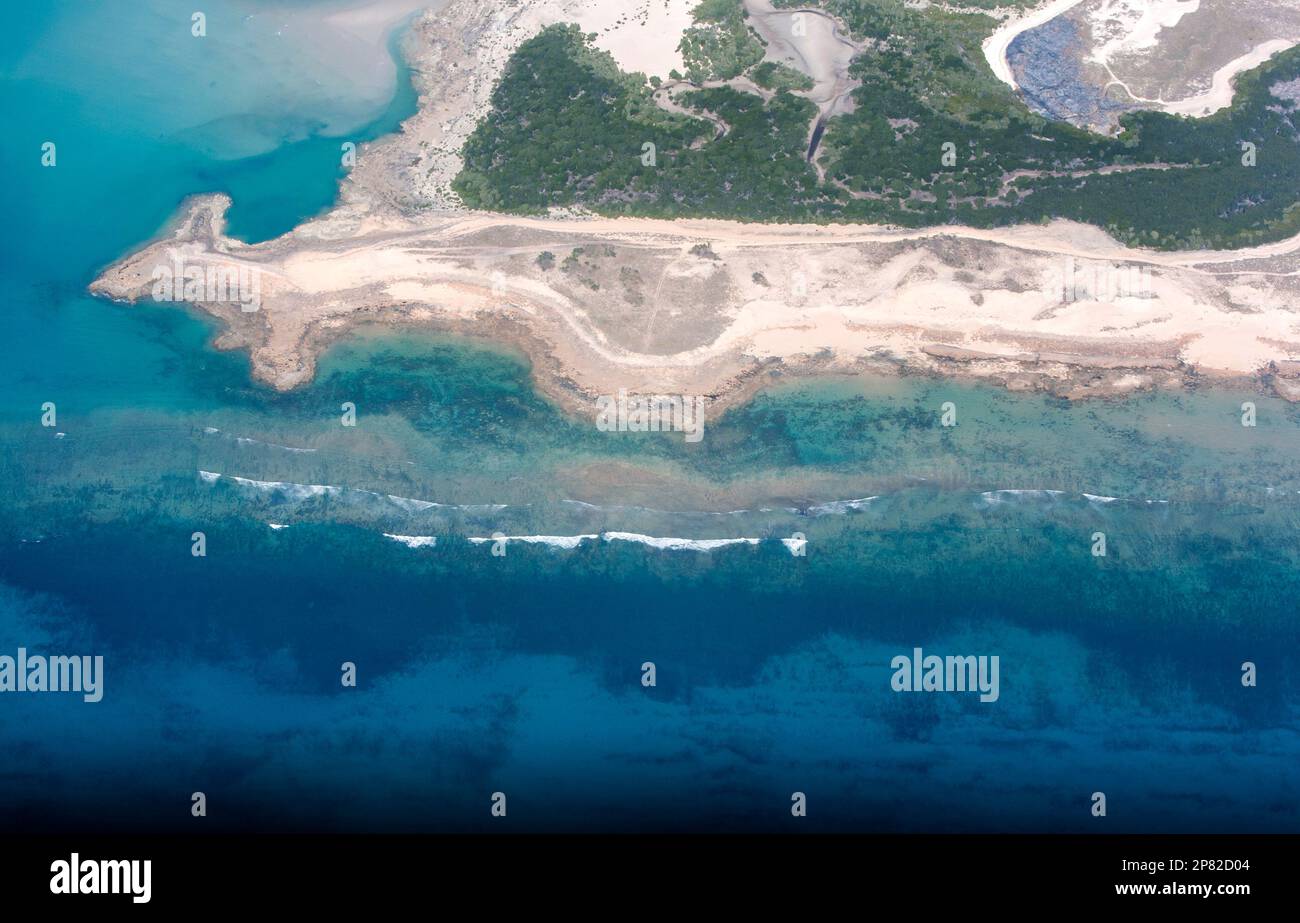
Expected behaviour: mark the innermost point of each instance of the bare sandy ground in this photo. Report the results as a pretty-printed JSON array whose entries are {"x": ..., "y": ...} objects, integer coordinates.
[
  {"x": 707, "y": 307},
  {"x": 715, "y": 307},
  {"x": 1219, "y": 95}
]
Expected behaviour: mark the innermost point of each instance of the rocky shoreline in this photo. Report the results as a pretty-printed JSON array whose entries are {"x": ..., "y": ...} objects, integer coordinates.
[{"x": 718, "y": 308}]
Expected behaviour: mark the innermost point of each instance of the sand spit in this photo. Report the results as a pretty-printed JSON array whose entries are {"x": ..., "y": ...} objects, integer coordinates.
[{"x": 716, "y": 308}]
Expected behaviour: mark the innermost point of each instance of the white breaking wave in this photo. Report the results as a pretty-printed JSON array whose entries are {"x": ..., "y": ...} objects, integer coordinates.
[
  {"x": 414, "y": 541},
  {"x": 277, "y": 526},
  {"x": 416, "y": 506},
  {"x": 676, "y": 544},
  {"x": 1095, "y": 498},
  {"x": 998, "y": 496},
  {"x": 666, "y": 543},
  {"x": 288, "y": 488},
  {"x": 412, "y": 506},
  {"x": 556, "y": 541},
  {"x": 1098, "y": 499},
  {"x": 295, "y": 491},
  {"x": 836, "y": 507}
]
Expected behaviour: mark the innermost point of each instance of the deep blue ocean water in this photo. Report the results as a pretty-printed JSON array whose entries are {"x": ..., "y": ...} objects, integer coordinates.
[{"x": 522, "y": 674}]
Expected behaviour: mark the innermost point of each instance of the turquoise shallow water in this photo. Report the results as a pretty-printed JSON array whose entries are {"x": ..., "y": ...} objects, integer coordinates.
[{"x": 522, "y": 673}]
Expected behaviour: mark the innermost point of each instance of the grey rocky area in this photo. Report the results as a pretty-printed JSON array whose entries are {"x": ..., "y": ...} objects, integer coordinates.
[{"x": 1054, "y": 83}]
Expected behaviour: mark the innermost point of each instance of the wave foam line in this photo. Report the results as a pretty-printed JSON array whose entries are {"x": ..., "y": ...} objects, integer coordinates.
[
  {"x": 661, "y": 543},
  {"x": 838, "y": 507},
  {"x": 295, "y": 491},
  {"x": 1095, "y": 498},
  {"x": 288, "y": 488},
  {"x": 676, "y": 544},
  {"x": 556, "y": 541},
  {"x": 414, "y": 541}
]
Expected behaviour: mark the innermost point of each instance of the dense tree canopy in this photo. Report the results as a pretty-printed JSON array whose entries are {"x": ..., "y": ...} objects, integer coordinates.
[{"x": 568, "y": 128}]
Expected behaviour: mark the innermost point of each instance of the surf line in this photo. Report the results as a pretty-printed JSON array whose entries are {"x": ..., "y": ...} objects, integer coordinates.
[{"x": 796, "y": 544}]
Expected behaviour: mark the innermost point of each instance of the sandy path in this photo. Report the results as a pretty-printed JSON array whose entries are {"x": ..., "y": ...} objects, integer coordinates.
[{"x": 1061, "y": 237}]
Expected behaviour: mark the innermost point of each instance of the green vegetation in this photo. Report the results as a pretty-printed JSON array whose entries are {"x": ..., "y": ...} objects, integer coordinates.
[
  {"x": 773, "y": 76},
  {"x": 720, "y": 45},
  {"x": 567, "y": 128},
  {"x": 927, "y": 59}
]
